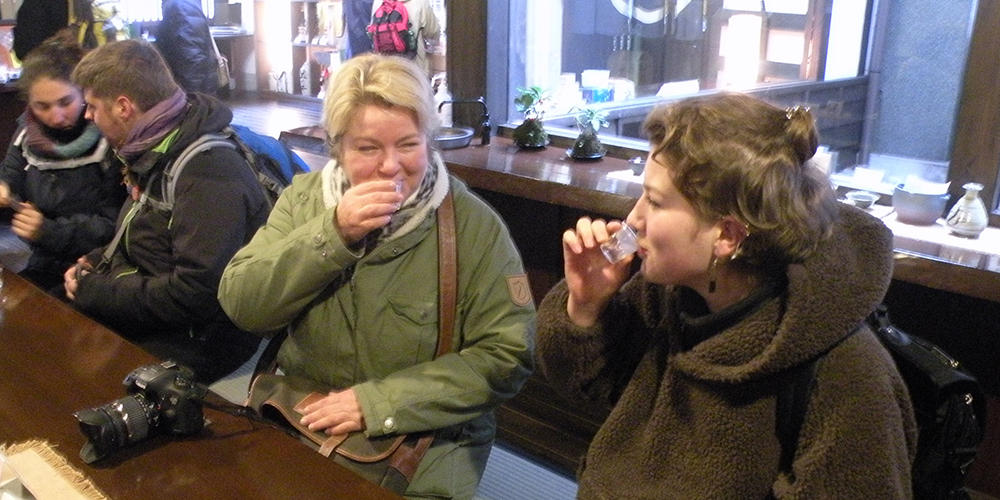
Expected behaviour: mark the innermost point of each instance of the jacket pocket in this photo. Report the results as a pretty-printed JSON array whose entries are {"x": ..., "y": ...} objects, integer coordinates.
[{"x": 410, "y": 329}]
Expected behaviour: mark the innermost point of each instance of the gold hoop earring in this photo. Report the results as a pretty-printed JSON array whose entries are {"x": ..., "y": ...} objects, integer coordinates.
[{"x": 712, "y": 273}]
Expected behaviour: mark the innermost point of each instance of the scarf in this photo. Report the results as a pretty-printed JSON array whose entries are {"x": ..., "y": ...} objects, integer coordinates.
[
  {"x": 427, "y": 197},
  {"x": 59, "y": 144},
  {"x": 154, "y": 125}
]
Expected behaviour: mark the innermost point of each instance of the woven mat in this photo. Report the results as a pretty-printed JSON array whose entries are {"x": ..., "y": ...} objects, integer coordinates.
[{"x": 44, "y": 473}]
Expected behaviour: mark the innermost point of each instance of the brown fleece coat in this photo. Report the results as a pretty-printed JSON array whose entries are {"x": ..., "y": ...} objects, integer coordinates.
[{"x": 700, "y": 424}]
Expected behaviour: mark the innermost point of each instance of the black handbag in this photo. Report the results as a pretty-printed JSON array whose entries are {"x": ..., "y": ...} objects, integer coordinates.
[{"x": 948, "y": 403}]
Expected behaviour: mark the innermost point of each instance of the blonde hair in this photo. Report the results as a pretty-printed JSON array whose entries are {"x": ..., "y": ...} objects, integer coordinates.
[
  {"x": 388, "y": 81},
  {"x": 730, "y": 154},
  {"x": 133, "y": 68}
]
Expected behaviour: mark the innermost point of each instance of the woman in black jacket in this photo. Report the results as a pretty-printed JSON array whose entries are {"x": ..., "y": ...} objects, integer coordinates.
[{"x": 58, "y": 177}]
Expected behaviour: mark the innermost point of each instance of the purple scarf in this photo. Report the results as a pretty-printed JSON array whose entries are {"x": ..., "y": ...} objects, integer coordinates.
[{"x": 153, "y": 125}]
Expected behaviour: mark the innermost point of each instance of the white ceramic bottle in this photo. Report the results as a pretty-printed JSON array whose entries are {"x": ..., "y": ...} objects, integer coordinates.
[
  {"x": 441, "y": 96},
  {"x": 968, "y": 217}
]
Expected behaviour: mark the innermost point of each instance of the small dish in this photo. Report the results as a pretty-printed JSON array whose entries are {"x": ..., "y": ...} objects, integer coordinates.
[{"x": 862, "y": 199}]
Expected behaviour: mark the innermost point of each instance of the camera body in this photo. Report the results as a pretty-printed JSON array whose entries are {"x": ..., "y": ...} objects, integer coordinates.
[{"x": 162, "y": 399}]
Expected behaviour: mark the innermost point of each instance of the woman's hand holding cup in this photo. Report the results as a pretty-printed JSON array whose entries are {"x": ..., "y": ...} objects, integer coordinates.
[
  {"x": 592, "y": 280},
  {"x": 367, "y": 207}
]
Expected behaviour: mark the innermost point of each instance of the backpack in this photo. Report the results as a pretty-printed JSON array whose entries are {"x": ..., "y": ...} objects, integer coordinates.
[
  {"x": 272, "y": 161},
  {"x": 948, "y": 403},
  {"x": 391, "y": 31}
]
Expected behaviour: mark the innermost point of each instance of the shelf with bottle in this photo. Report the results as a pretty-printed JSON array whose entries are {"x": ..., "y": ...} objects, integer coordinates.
[{"x": 318, "y": 35}]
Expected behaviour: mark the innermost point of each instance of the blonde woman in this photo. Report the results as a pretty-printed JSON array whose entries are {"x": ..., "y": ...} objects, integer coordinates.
[{"x": 348, "y": 263}]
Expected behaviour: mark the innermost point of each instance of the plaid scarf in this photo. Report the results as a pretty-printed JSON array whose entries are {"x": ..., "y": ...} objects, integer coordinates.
[{"x": 425, "y": 199}]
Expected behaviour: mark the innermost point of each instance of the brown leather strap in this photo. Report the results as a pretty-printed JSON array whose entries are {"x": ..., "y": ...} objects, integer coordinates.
[
  {"x": 447, "y": 275},
  {"x": 407, "y": 458},
  {"x": 331, "y": 444}
]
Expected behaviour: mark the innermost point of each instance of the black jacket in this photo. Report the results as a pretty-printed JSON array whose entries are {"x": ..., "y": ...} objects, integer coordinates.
[
  {"x": 160, "y": 290},
  {"x": 184, "y": 40},
  {"x": 79, "y": 198}
]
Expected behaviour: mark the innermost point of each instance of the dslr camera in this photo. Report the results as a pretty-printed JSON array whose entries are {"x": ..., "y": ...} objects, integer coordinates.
[{"x": 162, "y": 399}]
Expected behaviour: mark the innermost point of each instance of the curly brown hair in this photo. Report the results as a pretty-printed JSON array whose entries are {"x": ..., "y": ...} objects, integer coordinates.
[{"x": 731, "y": 154}]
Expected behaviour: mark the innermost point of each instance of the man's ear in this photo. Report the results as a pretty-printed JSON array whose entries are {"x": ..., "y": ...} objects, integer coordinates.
[
  {"x": 124, "y": 108},
  {"x": 731, "y": 235}
]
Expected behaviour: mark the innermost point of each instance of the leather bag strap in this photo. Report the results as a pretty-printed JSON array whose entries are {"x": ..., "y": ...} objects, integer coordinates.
[
  {"x": 447, "y": 275},
  {"x": 447, "y": 291}
]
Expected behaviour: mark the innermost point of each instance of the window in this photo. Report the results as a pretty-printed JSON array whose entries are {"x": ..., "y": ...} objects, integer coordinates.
[{"x": 884, "y": 79}]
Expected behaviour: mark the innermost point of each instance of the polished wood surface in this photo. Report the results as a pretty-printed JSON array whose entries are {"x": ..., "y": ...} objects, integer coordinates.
[
  {"x": 56, "y": 361},
  {"x": 547, "y": 175}
]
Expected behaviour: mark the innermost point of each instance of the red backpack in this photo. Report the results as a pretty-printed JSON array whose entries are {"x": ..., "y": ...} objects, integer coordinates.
[{"x": 390, "y": 30}]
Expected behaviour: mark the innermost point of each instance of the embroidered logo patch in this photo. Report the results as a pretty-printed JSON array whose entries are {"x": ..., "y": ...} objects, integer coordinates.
[{"x": 520, "y": 291}]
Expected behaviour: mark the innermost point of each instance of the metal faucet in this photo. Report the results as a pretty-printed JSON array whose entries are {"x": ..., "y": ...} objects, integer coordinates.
[{"x": 485, "y": 127}]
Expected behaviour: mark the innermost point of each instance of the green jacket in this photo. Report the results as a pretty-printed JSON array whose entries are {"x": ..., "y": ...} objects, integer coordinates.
[{"x": 371, "y": 323}]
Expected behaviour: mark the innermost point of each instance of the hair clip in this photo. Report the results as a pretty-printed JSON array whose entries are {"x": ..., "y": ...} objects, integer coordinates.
[{"x": 795, "y": 110}]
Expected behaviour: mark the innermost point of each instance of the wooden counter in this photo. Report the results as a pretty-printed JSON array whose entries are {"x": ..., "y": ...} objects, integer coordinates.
[
  {"x": 549, "y": 176},
  {"x": 603, "y": 188},
  {"x": 56, "y": 361}
]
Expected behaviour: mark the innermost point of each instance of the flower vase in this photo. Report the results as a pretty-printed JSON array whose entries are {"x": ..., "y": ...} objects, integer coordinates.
[
  {"x": 968, "y": 217},
  {"x": 587, "y": 146},
  {"x": 530, "y": 134}
]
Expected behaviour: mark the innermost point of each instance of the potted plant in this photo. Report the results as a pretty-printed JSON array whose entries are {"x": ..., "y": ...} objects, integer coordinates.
[
  {"x": 587, "y": 145},
  {"x": 530, "y": 134}
]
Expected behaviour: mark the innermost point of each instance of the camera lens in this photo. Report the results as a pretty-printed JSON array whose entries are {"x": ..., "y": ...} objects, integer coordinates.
[{"x": 115, "y": 425}]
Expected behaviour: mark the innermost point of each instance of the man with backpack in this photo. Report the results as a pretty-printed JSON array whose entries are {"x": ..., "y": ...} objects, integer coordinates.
[
  {"x": 404, "y": 28},
  {"x": 156, "y": 282}
]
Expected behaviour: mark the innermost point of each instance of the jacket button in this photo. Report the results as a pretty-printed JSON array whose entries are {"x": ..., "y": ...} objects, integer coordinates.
[
  {"x": 395, "y": 251},
  {"x": 389, "y": 423},
  {"x": 318, "y": 239}
]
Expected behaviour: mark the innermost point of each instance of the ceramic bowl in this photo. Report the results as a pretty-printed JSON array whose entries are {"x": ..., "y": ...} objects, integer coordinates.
[
  {"x": 453, "y": 137},
  {"x": 918, "y": 209},
  {"x": 862, "y": 199}
]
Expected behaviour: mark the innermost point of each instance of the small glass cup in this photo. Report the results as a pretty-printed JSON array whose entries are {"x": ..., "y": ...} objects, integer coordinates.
[{"x": 621, "y": 244}]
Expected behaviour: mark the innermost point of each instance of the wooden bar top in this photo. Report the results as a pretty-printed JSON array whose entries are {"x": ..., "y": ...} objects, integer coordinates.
[
  {"x": 604, "y": 188},
  {"x": 56, "y": 361},
  {"x": 549, "y": 175}
]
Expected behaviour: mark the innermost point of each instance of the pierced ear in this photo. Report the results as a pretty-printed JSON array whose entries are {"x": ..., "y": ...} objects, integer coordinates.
[{"x": 731, "y": 235}]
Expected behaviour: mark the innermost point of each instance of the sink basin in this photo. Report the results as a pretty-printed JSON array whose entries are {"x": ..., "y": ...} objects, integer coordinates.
[{"x": 453, "y": 137}]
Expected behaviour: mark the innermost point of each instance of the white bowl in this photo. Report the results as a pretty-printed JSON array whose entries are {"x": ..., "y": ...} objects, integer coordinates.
[{"x": 862, "y": 199}]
